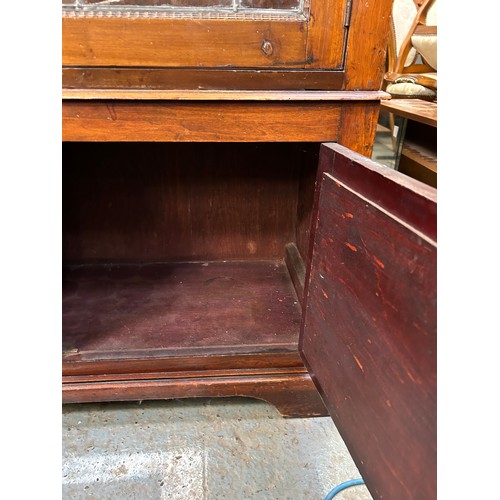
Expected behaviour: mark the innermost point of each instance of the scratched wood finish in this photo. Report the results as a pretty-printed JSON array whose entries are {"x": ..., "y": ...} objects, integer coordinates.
[
  {"x": 357, "y": 129},
  {"x": 136, "y": 204},
  {"x": 369, "y": 323},
  {"x": 200, "y": 121},
  {"x": 104, "y": 192}
]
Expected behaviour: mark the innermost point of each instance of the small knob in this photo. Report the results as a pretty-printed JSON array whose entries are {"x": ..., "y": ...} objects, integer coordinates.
[{"x": 267, "y": 47}]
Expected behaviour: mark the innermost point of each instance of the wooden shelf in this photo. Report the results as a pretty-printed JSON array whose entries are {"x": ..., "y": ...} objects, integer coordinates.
[
  {"x": 420, "y": 153},
  {"x": 124, "y": 311}
]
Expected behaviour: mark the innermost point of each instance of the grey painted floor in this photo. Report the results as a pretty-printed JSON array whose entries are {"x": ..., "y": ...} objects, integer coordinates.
[{"x": 233, "y": 448}]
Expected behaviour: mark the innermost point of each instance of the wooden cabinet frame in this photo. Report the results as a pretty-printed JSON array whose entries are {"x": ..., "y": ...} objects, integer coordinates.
[
  {"x": 367, "y": 313},
  {"x": 144, "y": 40},
  {"x": 326, "y": 50},
  {"x": 205, "y": 247},
  {"x": 369, "y": 322},
  {"x": 130, "y": 79}
]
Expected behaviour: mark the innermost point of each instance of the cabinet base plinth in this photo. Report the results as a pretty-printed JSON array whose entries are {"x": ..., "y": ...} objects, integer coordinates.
[{"x": 294, "y": 395}]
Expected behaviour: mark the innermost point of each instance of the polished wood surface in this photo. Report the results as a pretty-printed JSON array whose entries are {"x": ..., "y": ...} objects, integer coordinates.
[
  {"x": 338, "y": 45},
  {"x": 222, "y": 95},
  {"x": 369, "y": 319},
  {"x": 190, "y": 121},
  {"x": 294, "y": 395},
  {"x": 130, "y": 203},
  {"x": 327, "y": 30},
  {"x": 367, "y": 44},
  {"x": 358, "y": 124},
  {"x": 78, "y": 367},
  {"x": 212, "y": 40}
]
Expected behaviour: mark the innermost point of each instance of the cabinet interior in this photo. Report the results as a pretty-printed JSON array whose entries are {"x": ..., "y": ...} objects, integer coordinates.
[{"x": 184, "y": 248}]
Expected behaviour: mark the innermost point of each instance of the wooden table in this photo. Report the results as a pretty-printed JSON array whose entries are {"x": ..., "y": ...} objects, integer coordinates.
[
  {"x": 414, "y": 109},
  {"x": 418, "y": 136}
]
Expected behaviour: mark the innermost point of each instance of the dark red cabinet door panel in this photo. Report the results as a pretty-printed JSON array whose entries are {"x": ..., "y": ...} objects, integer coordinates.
[{"x": 369, "y": 324}]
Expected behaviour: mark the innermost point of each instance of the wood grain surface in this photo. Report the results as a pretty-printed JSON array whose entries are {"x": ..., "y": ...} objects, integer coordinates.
[
  {"x": 142, "y": 40},
  {"x": 369, "y": 322},
  {"x": 367, "y": 44},
  {"x": 415, "y": 109},
  {"x": 221, "y": 95},
  {"x": 121, "y": 310},
  {"x": 196, "y": 79},
  {"x": 184, "y": 330},
  {"x": 206, "y": 121},
  {"x": 163, "y": 42},
  {"x": 294, "y": 395},
  {"x": 180, "y": 202}
]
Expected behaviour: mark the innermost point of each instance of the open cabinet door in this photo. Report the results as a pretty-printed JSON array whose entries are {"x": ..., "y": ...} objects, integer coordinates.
[{"x": 368, "y": 333}]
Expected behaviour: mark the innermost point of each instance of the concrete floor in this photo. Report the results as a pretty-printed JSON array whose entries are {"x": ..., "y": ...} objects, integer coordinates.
[
  {"x": 383, "y": 148},
  {"x": 234, "y": 448}
]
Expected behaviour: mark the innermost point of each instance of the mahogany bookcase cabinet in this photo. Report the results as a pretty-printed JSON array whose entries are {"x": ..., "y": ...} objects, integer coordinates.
[
  {"x": 191, "y": 132},
  {"x": 204, "y": 223}
]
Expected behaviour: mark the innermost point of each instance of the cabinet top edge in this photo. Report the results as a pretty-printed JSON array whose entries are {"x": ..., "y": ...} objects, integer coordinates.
[{"x": 224, "y": 95}]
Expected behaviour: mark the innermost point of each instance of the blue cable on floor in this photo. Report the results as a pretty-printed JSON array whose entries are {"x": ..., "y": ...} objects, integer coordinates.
[{"x": 343, "y": 486}]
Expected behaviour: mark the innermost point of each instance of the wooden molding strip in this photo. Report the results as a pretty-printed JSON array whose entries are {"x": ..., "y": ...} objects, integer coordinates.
[
  {"x": 223, "y": 95},
  {"x": 127, "y": 78},
  {"x": 293, "y": 394}
]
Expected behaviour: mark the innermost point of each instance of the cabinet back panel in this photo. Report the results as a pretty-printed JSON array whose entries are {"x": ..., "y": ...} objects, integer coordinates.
[{"x": 179, "y": 202}]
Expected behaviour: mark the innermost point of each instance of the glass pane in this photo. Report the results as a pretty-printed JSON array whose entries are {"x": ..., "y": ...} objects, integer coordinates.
[
  {"x": 159, "y": 3},
  {"x": 270, "y": 4},
  {"x": 230, "y": 6}
]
